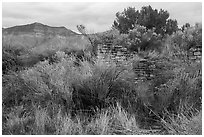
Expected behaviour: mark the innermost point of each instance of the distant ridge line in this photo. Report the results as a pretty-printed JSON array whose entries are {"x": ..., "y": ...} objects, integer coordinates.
[{"x": 37, "y": 27}]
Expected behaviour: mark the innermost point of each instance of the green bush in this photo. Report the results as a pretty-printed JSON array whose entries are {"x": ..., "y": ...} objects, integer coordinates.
[
  {"x": 101, "y": 83},
  {"x": 189, "y": 38},
  {"x": 65, "y": 84},
  {"x": 90, "y": 87},
  {"x": 173, "y": 83}
]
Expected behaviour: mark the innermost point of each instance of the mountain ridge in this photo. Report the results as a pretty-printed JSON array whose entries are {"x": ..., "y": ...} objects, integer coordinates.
[{"x": 39, "y": 28}]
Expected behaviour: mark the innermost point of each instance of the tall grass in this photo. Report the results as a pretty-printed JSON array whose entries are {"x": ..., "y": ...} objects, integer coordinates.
[
  {"x": 101, "y": 97},
  {"x": 184, "y": 123}
]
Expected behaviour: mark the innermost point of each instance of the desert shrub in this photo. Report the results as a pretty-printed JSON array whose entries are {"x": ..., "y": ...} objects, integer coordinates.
[
  {"x": 102, "y": 82},
  {"x": 92, "y": 86},
  {"x": 142, "y": 39},
  {"x": 189, "y": 89},
  {"x": 189, "y": 38},
  {"x": 63, "y": 83},
  {"x": 15, "y": 91},
  {"x": 42, "y": 85},
  {"x": 137, "y": 39},
  {"x": 113, "y": 120},
  {"x": 17, "y": 122},
  {"x": 182, "y": 123},
  {"x": 48, "y": 79},
  {"x": 174, "y": 83},
  {"x": 185, "y": 86},
  {"x": 10, "y": 59}
]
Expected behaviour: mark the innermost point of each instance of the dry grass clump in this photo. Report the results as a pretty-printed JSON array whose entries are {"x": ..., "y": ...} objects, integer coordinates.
[{"x": 73, "y": 96}]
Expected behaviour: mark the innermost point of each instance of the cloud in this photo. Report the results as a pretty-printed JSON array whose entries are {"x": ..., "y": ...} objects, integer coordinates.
[{"x": 96, "y": 16}]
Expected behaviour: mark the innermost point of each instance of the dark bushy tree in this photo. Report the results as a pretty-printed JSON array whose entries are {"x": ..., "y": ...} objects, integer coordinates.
[
  {"x": 186, "y": 26},
  {"x": 126, "y": 20},
  {"x": 148, "y": 17},
  {"x": 190, "y": 37},
  {"x": 10, "y": 60},
  {"x": 171, "y": 26},
  {"x": 142, "y": 39}
]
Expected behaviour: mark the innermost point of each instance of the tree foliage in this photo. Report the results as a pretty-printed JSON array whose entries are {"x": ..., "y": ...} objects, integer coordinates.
[
  {"x": 186, "y": 26},
  {"x": 148, "y": 17},
  {"x": 142, "y": 39},
  {"x": 10, "y": 60},
  {"x": 190, "y": 37}
]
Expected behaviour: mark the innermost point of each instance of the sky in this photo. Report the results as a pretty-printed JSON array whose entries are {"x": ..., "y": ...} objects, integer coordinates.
[{"x": 97, "y": 17}]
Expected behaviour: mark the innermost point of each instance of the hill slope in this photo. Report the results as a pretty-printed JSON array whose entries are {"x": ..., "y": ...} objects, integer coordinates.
[
  {"x": 40, "y": 29},
  {"x": 36, "y": 39},
  {"x": 39, "y": 35}
]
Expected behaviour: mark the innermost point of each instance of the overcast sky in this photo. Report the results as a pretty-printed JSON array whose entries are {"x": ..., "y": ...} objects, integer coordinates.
[{"x": 96, "y": 17}]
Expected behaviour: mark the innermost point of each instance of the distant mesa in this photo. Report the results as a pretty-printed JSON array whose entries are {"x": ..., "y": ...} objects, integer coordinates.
[{"x": 38, "y": 28}]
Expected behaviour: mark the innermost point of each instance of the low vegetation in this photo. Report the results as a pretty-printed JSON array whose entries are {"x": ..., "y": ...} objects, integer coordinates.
[
  {"x": 101, "y": 98},
  {"x": 76, "y": 93}
]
